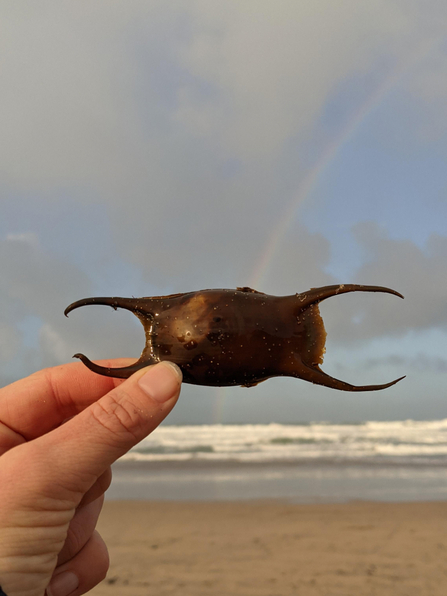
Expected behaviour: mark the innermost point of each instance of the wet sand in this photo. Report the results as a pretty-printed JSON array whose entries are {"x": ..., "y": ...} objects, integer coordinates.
[{"x": 273, "y": 548}]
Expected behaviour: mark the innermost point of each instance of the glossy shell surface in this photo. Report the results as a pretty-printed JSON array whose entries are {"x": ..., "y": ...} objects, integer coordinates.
[{"x": 233, "y": 337}]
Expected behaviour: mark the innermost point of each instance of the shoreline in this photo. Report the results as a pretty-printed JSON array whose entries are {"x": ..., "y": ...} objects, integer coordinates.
[
  {"x": 274, "y": 548},
  {"x": 212, "y": 464},
  {"x": 303, "y": 482}
]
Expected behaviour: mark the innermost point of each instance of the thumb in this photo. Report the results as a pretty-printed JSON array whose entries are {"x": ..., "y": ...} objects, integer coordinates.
[
  {"x": 44, "y": 480},
  {"x": 85, "y": 446}
]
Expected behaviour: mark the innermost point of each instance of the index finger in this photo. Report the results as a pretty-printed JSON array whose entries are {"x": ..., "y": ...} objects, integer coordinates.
[{"x": 39, "y": 403}]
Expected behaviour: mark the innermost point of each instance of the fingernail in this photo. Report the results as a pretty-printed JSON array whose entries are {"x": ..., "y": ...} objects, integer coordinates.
[
  {"x": 63, "y": 584},
  {"x": 161, "y": 381}
]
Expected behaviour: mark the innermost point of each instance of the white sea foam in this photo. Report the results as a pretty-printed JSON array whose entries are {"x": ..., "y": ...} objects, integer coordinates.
[{"x": 403, "y": 442}]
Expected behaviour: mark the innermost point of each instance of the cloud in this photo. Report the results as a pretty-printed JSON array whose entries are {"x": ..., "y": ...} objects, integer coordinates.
[
  {"x": 418, "y": 273},
  {"x": 185, "y": 119},
  {"x": 36, "y": 286},
  {"x": 30, "y": 238},
  {"x": 275, "y": 65},
  {"x": 35, "y": 280},
  {"x": 243, "y": 93},
  {"x": 149, "y": 102},
  {"x": 420, "y": 363},
  {"x": 188, "y": 129},
  {"x": 10, "y": 341}
]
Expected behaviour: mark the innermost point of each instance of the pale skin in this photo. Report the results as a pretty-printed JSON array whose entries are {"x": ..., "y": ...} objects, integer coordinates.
[{"x": 60, "y": 431}]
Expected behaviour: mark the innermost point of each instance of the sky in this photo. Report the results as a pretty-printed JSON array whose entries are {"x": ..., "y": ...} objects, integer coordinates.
[{"x": 153, "y": 147}]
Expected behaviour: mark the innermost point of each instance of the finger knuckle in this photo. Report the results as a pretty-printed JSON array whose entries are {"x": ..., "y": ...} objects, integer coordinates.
[{"x": 116, "y": 413}]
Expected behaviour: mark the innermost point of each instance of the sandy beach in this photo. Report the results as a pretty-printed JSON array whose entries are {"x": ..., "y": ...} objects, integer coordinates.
[{"x": 273, "y": 548}]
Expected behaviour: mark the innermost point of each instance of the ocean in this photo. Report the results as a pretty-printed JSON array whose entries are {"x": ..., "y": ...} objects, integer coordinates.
[{"x": 316, "y": 462}]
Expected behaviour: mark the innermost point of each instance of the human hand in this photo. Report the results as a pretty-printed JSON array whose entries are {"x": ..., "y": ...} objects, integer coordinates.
[{"x": 60, "y": 431}]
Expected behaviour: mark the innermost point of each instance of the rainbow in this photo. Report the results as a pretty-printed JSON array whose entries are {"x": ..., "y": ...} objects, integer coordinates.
[
  {"x": 311, "y": 180},
  {"x": 219, "y": 405},
  {"x": 333, "y": 148}
]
